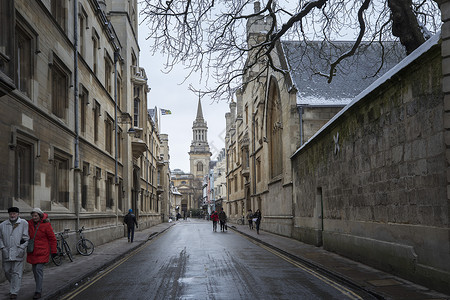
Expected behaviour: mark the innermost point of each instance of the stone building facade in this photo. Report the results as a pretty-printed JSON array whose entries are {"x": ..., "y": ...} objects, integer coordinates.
[
  {"x": 71, "y": 89},
  {"x": 274, "y": 113}
]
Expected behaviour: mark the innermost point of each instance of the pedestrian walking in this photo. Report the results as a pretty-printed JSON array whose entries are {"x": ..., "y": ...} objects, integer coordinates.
[
  {"x": 222, "y": 219},
  {"x": 13, "y": 243},
  {"x": 130, "y": 220},
  {"x": 249, "y": 219},
  {"x": 43, "y": 238},
  {"x": 258, "y": 217},
  {"x": 215, "y": 218}
]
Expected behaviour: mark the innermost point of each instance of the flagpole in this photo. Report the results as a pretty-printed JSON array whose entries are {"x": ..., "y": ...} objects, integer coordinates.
[{"x": 159, "y": 120}]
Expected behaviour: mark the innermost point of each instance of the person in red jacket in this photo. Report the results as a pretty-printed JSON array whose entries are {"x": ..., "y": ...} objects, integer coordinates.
[
  {"x": 215, "y": 218},
  {"x": 40, "y": 228}
]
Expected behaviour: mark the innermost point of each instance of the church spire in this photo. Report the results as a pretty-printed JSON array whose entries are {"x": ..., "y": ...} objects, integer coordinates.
[{"x": 199, "y": 111}]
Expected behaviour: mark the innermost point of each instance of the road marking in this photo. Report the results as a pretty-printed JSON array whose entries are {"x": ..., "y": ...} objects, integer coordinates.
[
  {"x": 345, "y": 291},
  {"x": 85, "y": 286}
]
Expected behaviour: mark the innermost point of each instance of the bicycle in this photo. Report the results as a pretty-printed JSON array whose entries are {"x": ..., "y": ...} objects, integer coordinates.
[
  {"x": 241, "y": 221},
  {"x": 84, "y": 246},
  {"x": 62, "y": 247}
]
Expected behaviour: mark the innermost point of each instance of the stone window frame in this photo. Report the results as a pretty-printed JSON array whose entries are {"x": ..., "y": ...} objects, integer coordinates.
[
  {"x": 60, "y": 79},
  {"x": 25, "y": 37},
  {"x": 109, "y": 132},
  {"x": 97, "y": 111},
  {"x": 60, "y": 187},
  {"x": 82, "y": 29},
  {"x": 7, "y": 28},
  {"x": 95, "y": 48},
  {"x": 21, "y": 139},
  {"x": 86, "y": 172},
  {"x": 108, "y": 72},
  {"x": 84, "y": 102},
  {"x": 97, "y": 179},
  {"x": 109, "y": 190},
  {"x": 274, "y": 129},
  {"x": 58, "y": 9}
]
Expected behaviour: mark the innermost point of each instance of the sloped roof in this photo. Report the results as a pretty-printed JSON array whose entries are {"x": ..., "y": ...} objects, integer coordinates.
[
  {"x": 425, "y": 47},
  {"x": 353, "y": 74}
]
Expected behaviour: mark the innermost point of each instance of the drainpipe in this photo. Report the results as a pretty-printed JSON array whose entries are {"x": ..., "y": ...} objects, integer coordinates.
[
  {"x": 116, "y": 178},
  {"x": 254, "y": 155},
  {"x": 75, "y": 76}
]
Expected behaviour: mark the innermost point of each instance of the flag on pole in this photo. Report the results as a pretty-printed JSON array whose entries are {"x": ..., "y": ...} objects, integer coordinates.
[{"x": 165, "y": 111}]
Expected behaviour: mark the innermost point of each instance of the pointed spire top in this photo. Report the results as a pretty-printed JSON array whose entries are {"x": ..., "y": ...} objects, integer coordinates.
[{"x": 199, "y": 111}]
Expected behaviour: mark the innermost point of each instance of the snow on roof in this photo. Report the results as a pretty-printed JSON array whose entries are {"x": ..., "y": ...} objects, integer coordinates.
[
  {"x": 306, "y": 60},
  {"x": 387, "y": 76}
]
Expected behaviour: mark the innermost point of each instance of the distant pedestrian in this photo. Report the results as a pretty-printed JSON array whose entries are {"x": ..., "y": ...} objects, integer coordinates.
[
  {"x": 215, "y": 218},
  {"x": 130, "y": 220},
  {"x": 178, "y": 216},
  {"x": 249, "y": 219},
  {"x": 258, "y": 217},
  {"x": 13, "y": 243},
  {"x": 41, "y": 231},
  {"x": 223, "y": 219}
]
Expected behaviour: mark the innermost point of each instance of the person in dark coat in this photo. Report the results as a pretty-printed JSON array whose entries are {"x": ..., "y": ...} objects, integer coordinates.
[
  {"x": 249, "y": 219},
  {"x": 222, "y": 219},
  {"x": 130, "y": 220},
  {"x": 258, "y": 217},
  {"x": 41, "y": 230}
]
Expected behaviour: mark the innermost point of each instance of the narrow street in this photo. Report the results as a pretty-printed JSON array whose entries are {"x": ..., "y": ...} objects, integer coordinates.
[{"x": 190, "y": 261}]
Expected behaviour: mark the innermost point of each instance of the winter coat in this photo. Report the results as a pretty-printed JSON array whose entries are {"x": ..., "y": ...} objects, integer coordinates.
[
  {"x": 44, "y": 242},
  {"x": 215, "y": 217},
  {"x": 222, "y": 216},
  {"x": 13, "y": 239},
  {"x": 130, "y": 220}
]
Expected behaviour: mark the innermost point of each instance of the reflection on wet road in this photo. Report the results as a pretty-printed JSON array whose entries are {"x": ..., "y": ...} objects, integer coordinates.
[{"x": 190, "y": 261}]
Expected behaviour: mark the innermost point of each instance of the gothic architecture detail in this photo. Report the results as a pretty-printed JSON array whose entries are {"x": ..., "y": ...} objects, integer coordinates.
[{"x": 199, "y": 154}]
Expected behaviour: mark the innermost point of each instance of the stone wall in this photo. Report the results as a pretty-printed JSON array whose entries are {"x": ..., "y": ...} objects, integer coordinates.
[{"x": 372, "y": 185}]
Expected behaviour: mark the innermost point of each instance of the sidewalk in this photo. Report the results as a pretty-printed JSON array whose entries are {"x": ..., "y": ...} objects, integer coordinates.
[
  {"x": 58, "y": 280},
  {"x": 380, "y": 284}
]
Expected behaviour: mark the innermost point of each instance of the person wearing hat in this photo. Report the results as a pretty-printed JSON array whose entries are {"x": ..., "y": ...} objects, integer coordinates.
[
  {"x": 130, "y": 220},
  {"x": 40, "y": 229},
  {"x": 13, "y": 243}
]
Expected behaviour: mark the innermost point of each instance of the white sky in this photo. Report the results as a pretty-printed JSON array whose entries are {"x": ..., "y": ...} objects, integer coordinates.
[{"x": 166, "y": 92}]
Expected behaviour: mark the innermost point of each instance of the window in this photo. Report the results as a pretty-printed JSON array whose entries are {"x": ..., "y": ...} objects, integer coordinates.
[
  {"x": 84, "y": 186},
  {"x": 137, "y": 103},
  {"x": 58, "y": 12},
  {"x": 23, "y": 171},
  {"x": 120, "y": 195},
  {"x": 275, "y": 127},
  {"x": 60, "y": 87},
  {"x": 258, "y": 169},
  {"x": 84, "y": 100},
  {"x": 82, "y": 26},
  {"x": 97, "y": 178},
  {"x": 235, "y": 181},
  {"x": 199, "y": 167},
  {"x": 60, "y": 184},
  {"x": 97, "y": 115},
  {"x": 109, "y": 191},
  {"x": 95, "y": 47},
  {"x": 108, "y": 74},
  {"x": 108, "y": 135},
  {"x": 6, "y": 37},
  {"x": 24, "y": 59}
]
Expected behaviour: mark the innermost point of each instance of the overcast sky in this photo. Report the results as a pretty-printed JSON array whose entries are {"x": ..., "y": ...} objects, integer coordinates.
[{"x": 167, "y": 93}]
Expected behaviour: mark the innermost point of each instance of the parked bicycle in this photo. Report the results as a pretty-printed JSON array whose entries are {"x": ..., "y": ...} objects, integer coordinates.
[
  {"x": 62, "y": 247},
  {"x": 84, "y": 246},
  {"x": 241, "y": 221}
]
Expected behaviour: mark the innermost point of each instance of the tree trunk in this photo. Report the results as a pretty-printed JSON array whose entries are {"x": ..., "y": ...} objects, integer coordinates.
[{"x": 405, "y": 25}]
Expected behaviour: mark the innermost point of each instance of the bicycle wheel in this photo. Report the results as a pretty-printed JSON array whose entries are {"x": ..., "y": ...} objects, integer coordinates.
[
  {"x": 85, "y": 247},
  {"x": 67, "y": 250},
  {"x": 57, "y": 258}
]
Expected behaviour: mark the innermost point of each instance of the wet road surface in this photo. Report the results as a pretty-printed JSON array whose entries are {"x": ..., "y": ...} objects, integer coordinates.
[{"x": 190, "y": 261}]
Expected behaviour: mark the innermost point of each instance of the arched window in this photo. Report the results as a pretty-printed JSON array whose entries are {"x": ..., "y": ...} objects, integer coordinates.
[
  {"x": 274, "y": 130},
  {"x": 199, "y": 167}
]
